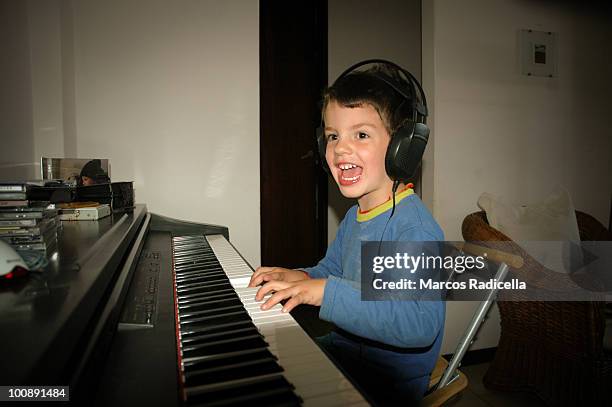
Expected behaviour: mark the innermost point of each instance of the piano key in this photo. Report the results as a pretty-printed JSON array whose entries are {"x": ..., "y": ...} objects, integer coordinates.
[
  {"x": 250, "y": 356},
  {"x": 275, "y": 391},
  {"x": 304, "y": 363},
  {"x": 202, "y": 335}
]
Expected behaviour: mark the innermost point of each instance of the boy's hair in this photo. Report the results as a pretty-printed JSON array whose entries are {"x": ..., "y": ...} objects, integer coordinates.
[{"x": 360, "y": 88}]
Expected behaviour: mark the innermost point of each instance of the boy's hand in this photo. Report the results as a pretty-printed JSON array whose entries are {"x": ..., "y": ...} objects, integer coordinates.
[
  {"x": 301, "y": 292},
  {"x": 265, "y": 274}
]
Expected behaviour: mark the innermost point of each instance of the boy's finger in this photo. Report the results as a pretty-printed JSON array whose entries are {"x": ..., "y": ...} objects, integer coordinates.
[
  {"x": 269, "y": 286},
  {"x": 256, "y": 278},
  {"x": 292, "y": 303},
  {"x": 277, "y": 297},
  {"x": 272, "y": 276}
]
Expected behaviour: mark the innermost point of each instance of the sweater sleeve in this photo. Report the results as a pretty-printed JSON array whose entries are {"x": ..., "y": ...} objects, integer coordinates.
[
  {"x": 407, "y": 324},
  {"x": 331, "y": 264}
]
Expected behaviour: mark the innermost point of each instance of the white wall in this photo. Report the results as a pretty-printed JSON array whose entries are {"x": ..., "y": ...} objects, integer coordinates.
[
  {"x": 167, "y": 90},
  {"x": 513, "y": 135},
  {"x": 46, "y": 68},
  {"x": 387, "y": 29},
  {"x": 17, "y": 152}
]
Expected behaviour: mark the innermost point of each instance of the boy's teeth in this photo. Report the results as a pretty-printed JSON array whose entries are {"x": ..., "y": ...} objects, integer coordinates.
[
  {"x": 350, "y": 172},
  {"x": 351, "y": 178},
  {"x": 346, "y": 166}
]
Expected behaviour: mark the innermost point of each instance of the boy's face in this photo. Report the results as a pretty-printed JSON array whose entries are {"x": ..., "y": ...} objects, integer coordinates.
[{"x": 357, "y": 141}]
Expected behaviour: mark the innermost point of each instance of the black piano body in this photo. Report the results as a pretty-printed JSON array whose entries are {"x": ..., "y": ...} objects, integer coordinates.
[
  {"x": 72, "y": 326},
  {"x": 101, "y": 319}
]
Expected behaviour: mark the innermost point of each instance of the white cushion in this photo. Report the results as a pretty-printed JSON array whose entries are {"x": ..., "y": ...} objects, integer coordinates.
[{"x": 552, "y": 219}]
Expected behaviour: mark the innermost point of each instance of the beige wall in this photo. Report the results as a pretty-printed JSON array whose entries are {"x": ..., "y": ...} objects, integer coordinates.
[
  {"x": 17, "y": 152},
  {"x": 498, "y": 131},
  {"x": 167, "y": 90}
]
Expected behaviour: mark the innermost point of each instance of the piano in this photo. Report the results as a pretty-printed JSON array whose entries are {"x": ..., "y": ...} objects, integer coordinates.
[{"x": 140, "y": 309}]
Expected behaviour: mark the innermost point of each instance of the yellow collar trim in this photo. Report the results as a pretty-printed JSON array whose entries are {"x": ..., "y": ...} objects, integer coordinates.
[{"x": 374, "y": 212}]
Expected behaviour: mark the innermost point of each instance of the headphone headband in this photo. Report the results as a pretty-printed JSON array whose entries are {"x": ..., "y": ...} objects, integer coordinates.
[{"x": 420, "y": 107}]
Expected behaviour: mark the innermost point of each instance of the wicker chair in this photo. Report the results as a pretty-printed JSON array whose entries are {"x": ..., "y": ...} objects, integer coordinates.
[{"x": 552, "y": 349}]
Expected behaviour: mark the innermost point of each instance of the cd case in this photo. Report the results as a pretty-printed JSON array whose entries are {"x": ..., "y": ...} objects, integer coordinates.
[{"x": 87, "y": 213}]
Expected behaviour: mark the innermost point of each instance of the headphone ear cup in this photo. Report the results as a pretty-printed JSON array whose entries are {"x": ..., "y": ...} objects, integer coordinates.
[
  {"x": 322, "y": 147},
  {"x": 405, "y": 151}
]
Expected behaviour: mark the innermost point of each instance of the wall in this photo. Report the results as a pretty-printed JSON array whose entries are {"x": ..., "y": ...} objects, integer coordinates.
[
  {"x": 513, "y": 135},
  {"x": 17, "y": 153},
  {"x": 388, "y": 29},
  {"x": 167, "y": 90}
]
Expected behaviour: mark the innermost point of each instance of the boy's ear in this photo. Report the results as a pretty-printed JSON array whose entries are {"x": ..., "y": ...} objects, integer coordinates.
[
  {"x": 405, "y": 151},
  {"x": 322, "y": 147}
]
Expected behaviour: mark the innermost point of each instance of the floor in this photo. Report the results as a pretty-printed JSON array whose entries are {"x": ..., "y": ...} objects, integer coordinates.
[{"x": 476, "y": 395}]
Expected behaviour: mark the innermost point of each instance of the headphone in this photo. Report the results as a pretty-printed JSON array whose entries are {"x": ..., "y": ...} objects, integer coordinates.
[{"x": 407, "y": 143}]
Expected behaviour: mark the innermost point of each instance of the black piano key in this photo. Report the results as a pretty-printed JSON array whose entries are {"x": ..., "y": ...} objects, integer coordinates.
[
  {"x": 225, "y": 334},
  {"x": 263, "y": 390},
  {"x": 186, "y": 332},
  {"x": 196, "y": 277},
  {"x": 199, "y": 297},
  {"x": 192, "y": 248},
  {"x": 209, "y": 300},
  {"x": 207, "y": 310},
  {"x": 184, "y": 264},
  {"x": 250, "y": 356},
  {"x": 195, "y": 251},
  {"x": 202, "y": 324},
  {"x": 210, "y": 344},
  {"x": 201, "y": 281},
  {"x": 195, "y": 261},
  {"x": 236, "y": 358},
  {"x": 206, "y": 319},
  {"x": 199, "y": 275},
  {"x": 209, "y": 288},
  {"x": 217, "y": 300},
  {"x": 188, "y": 363},
  {"x": 232, "y": 372},
  {"x": 202, "y": 351},
  {"x": 191, "y": 263},
  {"x": 197, "y": 270}
]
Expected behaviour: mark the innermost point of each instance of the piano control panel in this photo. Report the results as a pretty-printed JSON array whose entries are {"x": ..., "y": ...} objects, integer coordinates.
[{"x": 141, "y": 303}]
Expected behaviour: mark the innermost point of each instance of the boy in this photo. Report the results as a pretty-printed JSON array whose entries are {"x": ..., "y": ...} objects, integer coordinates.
[{"x": 388, "y": 347}]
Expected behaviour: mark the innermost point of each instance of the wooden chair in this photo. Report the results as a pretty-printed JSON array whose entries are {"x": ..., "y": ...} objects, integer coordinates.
[
  {"x": 440, "y": 396},
  {"x": 446, "y": 380},
  {"x": 551, "y": 349}
]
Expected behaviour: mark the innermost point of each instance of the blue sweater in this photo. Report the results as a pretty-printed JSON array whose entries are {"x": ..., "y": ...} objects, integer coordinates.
[{"x": 417, "y": 325}]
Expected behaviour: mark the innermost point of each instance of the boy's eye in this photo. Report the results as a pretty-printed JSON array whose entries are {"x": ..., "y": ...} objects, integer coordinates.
[
  {"x": 331, "y": 137},
  {"x": 362, "y": 135}
]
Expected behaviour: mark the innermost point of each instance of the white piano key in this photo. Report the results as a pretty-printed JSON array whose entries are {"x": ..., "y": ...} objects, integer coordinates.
[{"x": 314, "y": 376}]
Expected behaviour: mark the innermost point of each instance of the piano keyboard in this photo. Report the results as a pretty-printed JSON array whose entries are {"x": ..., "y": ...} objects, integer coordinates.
[{"x": 230, "y": 351}]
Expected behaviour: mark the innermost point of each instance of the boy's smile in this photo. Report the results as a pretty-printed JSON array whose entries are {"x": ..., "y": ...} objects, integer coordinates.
[
  {"x": 357, "y": 141},
  {"x": 350, "y": 173}
]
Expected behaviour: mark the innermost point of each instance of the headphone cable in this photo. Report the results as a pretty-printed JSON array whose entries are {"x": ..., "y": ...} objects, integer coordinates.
[{"x": 393, "y": 191}]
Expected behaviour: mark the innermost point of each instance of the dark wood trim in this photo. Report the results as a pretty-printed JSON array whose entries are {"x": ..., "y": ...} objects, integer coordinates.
[{"x": 293, "y": 189}]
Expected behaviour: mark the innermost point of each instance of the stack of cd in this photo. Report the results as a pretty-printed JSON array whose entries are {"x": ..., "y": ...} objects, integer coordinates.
[{"x": 25, "y": 224}]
